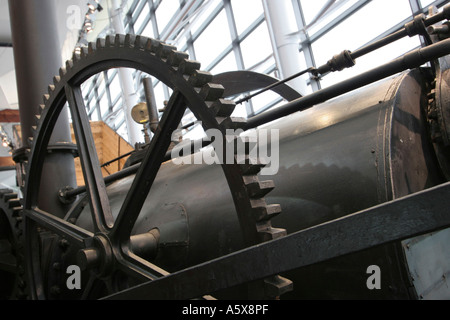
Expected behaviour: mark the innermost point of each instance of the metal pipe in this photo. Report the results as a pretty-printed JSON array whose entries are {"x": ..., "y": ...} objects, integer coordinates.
[
  {"x": 413, "y": 59},
  {"x": 151, "y": 104},
  {"x": 126, "y": 79},
  {"x": 281, "y": 22},
  {"x": 37, "y": 57}
]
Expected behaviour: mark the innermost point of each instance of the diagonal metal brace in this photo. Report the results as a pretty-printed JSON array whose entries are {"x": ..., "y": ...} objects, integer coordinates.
[{"x": 417, "y": 214}]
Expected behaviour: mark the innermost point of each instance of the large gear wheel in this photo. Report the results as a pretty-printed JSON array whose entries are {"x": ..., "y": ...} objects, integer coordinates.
[
  {"x": 12, "y": 271},
  {"x": 106, "y": 251}
]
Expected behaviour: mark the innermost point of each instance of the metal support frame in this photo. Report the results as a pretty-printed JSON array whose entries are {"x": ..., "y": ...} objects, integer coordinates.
[
  {"x": 418, "y": 214},
  {"x": 130, "y": 97},
  {"x": 281, "y": 23}
]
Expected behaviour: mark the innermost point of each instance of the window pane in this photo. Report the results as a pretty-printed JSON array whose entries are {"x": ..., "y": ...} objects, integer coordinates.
[
  {"x": 227, "y": 64},
  {"x": 246, "y": 12},
  {"x": 257, "y": 46},
  {"x": 142, "y": 16},
  {"x": 207, "y": 9},
  {"x": 165, "y": 12},
  {"x": 328, "y": 16},
  {"x": 213, "y": 41},
  {"x": 148, "y": 30},
  {"x": 94, "y": 115},
  {"x": 311, "y": 9},
  {"x": 115, "y": 88},
  {"x": 426, "y": 3},
  {"x": 104, "y": 106}
]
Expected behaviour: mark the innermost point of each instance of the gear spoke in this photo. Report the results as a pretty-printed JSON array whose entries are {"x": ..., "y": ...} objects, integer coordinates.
[
  {"x": 140, "y": 269},
  {"x": 100, "y": 208},
  {"x": 71, "y": 233},
  {"x": 89, "y": 286},
  {"x": 149, "y": 168}
]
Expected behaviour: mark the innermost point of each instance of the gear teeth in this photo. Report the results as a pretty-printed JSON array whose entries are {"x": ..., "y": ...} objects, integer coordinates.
[
  {"x": 200, "y": 78},
  {"x": 153, "y": 45},
  {"x": 12, "y": 203},
  {"x": 165, "y": 50},
  {"x": 16, "y": 211},
  {"x": 176, "y": 57},
  {"x": 83, "y": 53},
  {"x": 69, "y": 65},
  {"x": 46, "y": 97},
  {"x": 130, "y": 40},
  {"x": 249, "y": 169},
  {"x": 212, "y": 92},
  {"x": 187, "y": 67},
  {"x": 222, "y": 108},
  {"x": 110, "y": 41},
  {"x": 276, "y": 286},
  {"x": 62, "y": 71},
  {"x": 51, "y": 88},
  {"x": 41, "y": 108},
  {"x": 101, "y": 43},
  {"x": 92, "y": 47},
  {"x": 140, "y": 41},
  {"x": 259, "y": 189},
  {"x": 263, "y": 212},
  {"x": 56, "y": 80},
  {"x": 268, "y": 233},
  {"x": 8, "y": 195},
  {"x": 3, "y": 192},
  {"x": 76, "y": 56},
  {"x": 233, "y": 123},
  {"x": 119, "y": 41}
]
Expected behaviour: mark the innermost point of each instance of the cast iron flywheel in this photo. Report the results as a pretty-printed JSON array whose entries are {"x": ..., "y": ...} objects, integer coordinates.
[{"x": 107, "y": 251}]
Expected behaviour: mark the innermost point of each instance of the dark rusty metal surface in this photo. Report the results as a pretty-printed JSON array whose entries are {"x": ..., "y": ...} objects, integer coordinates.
[{"x": 401, "y": 219}]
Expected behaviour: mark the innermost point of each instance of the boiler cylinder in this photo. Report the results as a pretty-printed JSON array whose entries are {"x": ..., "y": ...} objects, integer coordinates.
[{"x": 350, "y": 153}]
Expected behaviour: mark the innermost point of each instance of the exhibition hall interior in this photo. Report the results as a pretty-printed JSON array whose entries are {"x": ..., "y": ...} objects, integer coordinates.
[{"x": 224, "y": 150}]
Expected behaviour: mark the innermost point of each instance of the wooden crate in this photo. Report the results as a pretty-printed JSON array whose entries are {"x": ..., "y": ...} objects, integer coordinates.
[{"x": 109, "y": 146}]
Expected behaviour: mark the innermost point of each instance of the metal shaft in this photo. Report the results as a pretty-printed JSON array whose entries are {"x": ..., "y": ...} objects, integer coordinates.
[
  {"x": 151, "y": 104},
  {"x": 411, "y": 60}
]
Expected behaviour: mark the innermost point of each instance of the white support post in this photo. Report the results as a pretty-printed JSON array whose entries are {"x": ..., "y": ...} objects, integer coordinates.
[
  {"x": 130, "y": 97},
  {"x": 281, "y": 23}
]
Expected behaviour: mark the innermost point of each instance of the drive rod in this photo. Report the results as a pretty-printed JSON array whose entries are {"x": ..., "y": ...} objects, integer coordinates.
[
  {"x": 411, "y": 60},
  {"x": 346, "y": 59}
]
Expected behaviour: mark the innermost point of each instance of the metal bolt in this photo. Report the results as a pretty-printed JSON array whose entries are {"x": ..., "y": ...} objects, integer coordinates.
[
  {"x": 64, "y": 244},
  {"x": 55, "y": 290}
]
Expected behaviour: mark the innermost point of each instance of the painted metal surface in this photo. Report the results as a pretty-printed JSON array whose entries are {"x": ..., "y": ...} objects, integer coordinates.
[{"x": 340, "y": 157}]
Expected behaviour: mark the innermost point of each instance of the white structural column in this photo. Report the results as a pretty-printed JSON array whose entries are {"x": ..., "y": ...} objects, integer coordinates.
[
  {"x": 130, "y": 97},
  {"x": 282, "y": 28}
]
